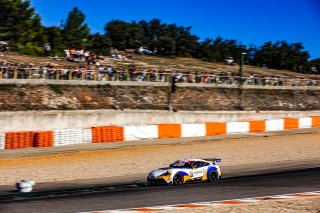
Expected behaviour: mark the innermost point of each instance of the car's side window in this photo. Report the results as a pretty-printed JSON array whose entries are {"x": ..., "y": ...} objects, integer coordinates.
[
  {"x": 204, "y": 164},
  {"x": 196, "y": 164}
]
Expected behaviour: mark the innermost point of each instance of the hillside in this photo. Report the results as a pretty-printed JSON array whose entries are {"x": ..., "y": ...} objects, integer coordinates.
[
  {"x": 70, "y": 97},
  {"x": 160, "y": 63}
]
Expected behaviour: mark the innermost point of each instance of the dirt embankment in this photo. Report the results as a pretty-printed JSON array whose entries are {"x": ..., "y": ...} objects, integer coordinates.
[{"x": 72, "y": 97}]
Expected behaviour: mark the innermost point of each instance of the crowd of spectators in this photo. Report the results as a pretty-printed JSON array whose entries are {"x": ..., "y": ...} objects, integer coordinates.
[
  {"x": 77, "y": 55},
  {"x": 89, "y": 57},
  {"x": 109, "y": 73}
]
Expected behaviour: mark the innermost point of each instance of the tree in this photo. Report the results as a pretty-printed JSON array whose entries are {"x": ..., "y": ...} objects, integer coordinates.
[
  {"x": 125, "y": 35},
  {"x": 75, "y": 31},
  {"x": 54, "y": 37},
  {"x": 281, "y": 55},
  {"x": 166, "y": 46},
  {"x": 186, "y": 42},
  {"x": 219, "y": 49},
  {"x": 117, "y": 31},
  {"x": 99, "y": 44},
  {"x": 21, "y": 26}
]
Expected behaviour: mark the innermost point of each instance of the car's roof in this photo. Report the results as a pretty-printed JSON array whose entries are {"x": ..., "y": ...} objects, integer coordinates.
[{"x": 190, "y": 159}]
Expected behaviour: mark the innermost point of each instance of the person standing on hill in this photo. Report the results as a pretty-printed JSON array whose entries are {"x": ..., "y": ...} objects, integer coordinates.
[{"x": 47, "y": 49}]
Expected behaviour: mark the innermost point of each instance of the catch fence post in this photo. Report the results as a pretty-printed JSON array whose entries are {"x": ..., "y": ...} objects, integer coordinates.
[
  {"x": 128, "y": 76},
  {"x": 70, "y": 75},
  {"x": 95, "y": 73},
  {"x": 29, "y": 73},
  {"x": 57, "y": 74},
  {"x": 15, "y": 73}
]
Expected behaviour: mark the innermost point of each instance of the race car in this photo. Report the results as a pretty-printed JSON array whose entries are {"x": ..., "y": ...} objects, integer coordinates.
[{"x": 186, "y": 170}]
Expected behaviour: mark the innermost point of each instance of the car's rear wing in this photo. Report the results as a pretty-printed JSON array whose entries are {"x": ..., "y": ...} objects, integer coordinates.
[{"x": 214, "y": 160}]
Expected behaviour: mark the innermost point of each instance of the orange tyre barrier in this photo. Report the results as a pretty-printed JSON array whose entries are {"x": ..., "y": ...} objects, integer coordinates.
[
  {"x": 257, "y": 126},
  {"x": 103, "y": 134},
  {"x": 43, "y": 139},
  {"x": 169, "y": 130},
  {"x": 216, "y": 129},
  {"x": 16, "y": 140}
]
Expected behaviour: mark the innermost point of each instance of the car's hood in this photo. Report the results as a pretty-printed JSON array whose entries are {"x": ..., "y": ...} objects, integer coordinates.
[{"x": 159, "y": 171}]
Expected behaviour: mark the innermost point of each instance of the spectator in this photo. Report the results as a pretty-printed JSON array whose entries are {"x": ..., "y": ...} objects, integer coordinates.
[{"x": 47, "y": 49}]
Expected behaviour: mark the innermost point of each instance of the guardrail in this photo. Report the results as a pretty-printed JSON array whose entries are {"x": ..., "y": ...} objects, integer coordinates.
[{"x": 103, "y": 75}]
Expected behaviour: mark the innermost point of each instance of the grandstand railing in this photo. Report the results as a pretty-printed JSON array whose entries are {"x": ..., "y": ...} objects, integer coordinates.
[{"x": 102, "y": 75}]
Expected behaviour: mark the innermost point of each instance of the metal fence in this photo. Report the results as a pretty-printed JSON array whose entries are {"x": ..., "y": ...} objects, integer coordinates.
[{"x": 103, "y": 75}]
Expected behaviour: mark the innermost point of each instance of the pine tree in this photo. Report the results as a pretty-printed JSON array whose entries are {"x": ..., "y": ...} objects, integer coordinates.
[
  {"x": 55, "y": 39},
  {"x": 21, "y": 26},
  {"x": 75, "y": 31}
]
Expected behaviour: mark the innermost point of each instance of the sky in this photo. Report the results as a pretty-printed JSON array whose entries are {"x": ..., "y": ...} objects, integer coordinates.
[{"x": 250, "y": 22}]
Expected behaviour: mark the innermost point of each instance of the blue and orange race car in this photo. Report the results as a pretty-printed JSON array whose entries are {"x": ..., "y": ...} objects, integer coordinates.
[{"x": 186, "y": 170}]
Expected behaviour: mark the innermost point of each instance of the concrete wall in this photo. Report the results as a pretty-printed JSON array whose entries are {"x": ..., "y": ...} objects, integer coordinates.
[
  {"x": 48, "y": 120},
  {"x": 26, "y": 97},
  {"x": 36, "y": 105}
]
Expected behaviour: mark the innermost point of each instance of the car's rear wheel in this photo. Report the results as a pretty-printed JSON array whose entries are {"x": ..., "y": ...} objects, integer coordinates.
[
  {"x": 213, "y": 176},
  {"x": 177, "y": 179}
]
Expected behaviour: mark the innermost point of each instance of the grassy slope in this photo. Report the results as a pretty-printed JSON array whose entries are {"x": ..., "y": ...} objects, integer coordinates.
[{"x": 161, "y": 63}]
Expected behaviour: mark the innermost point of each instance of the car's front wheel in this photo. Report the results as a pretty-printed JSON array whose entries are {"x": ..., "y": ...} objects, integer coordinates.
[
  {"x": 213, "y": 176},
  {"x": 177, "y": 179}
]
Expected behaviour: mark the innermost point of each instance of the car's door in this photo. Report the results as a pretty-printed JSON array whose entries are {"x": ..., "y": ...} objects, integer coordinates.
[{"x": 197, "y": 169}]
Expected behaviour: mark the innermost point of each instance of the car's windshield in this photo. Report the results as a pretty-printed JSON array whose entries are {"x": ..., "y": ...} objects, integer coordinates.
[{"x": 181, "y": 163}]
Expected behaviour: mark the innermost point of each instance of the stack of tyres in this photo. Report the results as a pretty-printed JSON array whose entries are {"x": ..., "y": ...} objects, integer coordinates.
[
  {"x": 97, "y": 134},
  {"x": 14, "y": 140},
  {"x": 87, "y": 135},
  {"x": 107, "y": 134},
  {"x": 43, "y": 139},
  {"x": 11, "y": 140},
  {"x": 120, "y": 133},
  {"x": 28, "y": 139},
  {"x": 64, "y": 137},
  {"x": 2, "y": 140}
]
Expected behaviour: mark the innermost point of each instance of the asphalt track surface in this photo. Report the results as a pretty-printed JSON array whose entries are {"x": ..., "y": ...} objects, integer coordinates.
[{"x": 229, "y": 188}]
